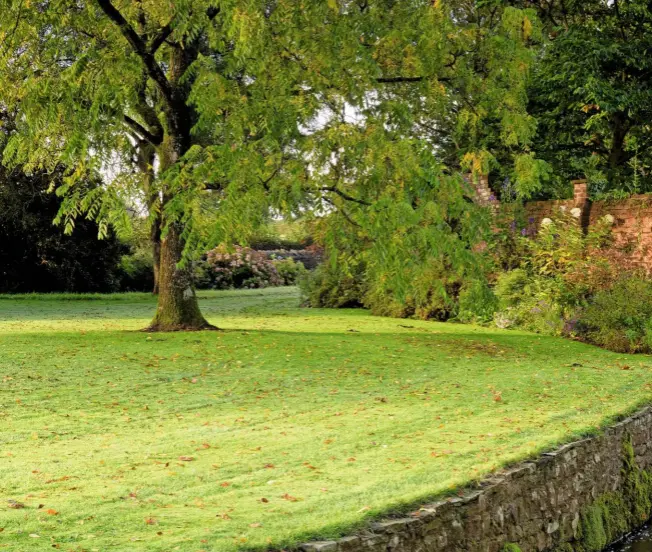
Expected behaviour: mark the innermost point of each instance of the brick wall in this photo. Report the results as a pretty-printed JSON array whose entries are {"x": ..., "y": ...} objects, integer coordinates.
[{"x": 632, "y": 227}]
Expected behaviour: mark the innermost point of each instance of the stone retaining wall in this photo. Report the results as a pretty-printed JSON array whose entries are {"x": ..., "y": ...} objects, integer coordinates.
[{"x": 537, "y": 505}]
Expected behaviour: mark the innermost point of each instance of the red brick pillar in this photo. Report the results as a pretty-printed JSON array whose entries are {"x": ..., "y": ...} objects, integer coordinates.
[
  {"x": 483, "y": 193},
  {"x": 581, "y": 200}
]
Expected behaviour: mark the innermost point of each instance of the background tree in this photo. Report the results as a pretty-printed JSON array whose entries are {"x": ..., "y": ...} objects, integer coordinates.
[
  {"x": 591, "y": 93},
  {"x": 36, "y": 256}
]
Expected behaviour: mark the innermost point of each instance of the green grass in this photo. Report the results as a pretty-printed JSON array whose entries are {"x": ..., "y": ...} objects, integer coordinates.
[{"x": 300, "y": 423}]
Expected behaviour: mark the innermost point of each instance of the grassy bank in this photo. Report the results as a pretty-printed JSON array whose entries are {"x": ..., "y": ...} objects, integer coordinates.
[{"x": 289, "y": 424}]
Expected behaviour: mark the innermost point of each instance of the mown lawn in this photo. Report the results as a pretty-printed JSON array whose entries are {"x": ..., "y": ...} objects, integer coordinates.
[{"x": 290, "y": 424}]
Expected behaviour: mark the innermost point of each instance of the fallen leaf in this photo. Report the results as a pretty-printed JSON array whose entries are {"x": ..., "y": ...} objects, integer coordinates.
[
  {"x": 186, "y": 458},
  {"x": 255, "y": 525},
  {"x": 264, "y": 500},
  {"x": 15, "y": 504},
  {"x": 289, "y": 497},
  {"x": 150, "y": 521},
  {"x": 51, "y": 512}
]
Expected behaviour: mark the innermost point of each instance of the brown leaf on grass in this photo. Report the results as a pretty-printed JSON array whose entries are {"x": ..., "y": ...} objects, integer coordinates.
[
  {"x": 269, "y": 466},
  {"x": 225, "y": 484},
  {"x": 51, "y": 512},
  {"x": 15, "y": 505},
  {"x": 254, "y": 525},
  {"x": 264, "y": 500},
  {"x": 186, "y": 458},
  {"x": 64, "y": 478},
  {"x": 225, "y": 516},
  {"x": 150, "y": 521},
  {"x": 290, "y": 498}
]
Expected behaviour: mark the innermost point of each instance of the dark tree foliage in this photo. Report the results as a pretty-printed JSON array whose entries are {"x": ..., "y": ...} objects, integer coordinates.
[
  {"x": 591, "y": 93},
  {"x": 36, "y": 256}
]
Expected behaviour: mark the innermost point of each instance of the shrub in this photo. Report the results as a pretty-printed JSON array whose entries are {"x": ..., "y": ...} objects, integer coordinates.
[
  {"x": 240, "y": 268},
  {"x": 530, "y": 303},
  {"x": 620, "y": 318},
  {"x": 561, "y": 270},
  {"x": 476, "y": 303},
  {"x": 137, "y": 271},
  {"x": 289, "y": 271},
  {"x": 334, "y": 285}
]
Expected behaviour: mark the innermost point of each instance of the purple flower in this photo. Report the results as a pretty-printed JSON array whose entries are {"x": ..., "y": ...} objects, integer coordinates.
[
  {"x": 530, "y": 220},
  {"x": 524, "y": 232}
]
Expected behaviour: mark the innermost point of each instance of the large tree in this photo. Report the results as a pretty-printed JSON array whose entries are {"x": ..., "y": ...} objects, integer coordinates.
[
  {"x": 245, "y": 100},
  {"x": 591, "y": 92}
]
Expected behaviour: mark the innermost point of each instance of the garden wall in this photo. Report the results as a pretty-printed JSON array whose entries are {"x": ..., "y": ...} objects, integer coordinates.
[
  {"x": 632, "y": 227},
  {"x": 537, "y": 505}
]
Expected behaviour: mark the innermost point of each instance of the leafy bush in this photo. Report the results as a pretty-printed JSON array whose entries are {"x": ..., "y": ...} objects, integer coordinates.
[
  {"x": 529, "y": 303},
  {"x": 137, "y": 271},
  {"x": 289, "y": 271},
  {"x": 560, "y": 271},
  {"x": 334, "y": 285},
  {"x": 240, "y": 268},
  {"x": 620, "y": 318}
]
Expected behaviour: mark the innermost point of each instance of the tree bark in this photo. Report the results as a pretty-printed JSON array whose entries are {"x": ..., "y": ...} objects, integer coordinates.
[{"x": 178, "y": 309}]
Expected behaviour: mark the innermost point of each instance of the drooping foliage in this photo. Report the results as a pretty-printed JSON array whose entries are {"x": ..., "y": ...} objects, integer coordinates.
[{"x": 406, "y": 223}]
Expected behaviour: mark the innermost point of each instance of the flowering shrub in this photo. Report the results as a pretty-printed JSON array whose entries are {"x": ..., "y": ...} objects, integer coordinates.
[
  {"x": 560, "y": 271},
  {"x": 240, "y": 268}
]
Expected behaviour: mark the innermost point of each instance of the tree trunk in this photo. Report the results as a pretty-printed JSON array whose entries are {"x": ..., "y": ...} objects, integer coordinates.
[{"x": 178, "y": 309}]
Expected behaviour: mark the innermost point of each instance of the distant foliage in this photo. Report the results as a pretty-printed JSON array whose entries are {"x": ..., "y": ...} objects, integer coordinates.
[
  {"x": 241, "y": 267},
  {"x": 36, "y": 256},
  {"x": 137, "y": 270},
  {"x": 289, "y": 271},
  {"x": 335, "y": 285}
]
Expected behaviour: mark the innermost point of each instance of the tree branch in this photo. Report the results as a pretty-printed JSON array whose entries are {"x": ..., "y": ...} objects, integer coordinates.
[
  {"x": 163, "y": 34},
  {"x": 344, "y": 195},
  {"x": 140, "y": 48},
  {"x": 154, "y": 139}
]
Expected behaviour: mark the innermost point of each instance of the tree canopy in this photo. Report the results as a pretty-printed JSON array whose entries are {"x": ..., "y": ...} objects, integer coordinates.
[
  {"x": 591, "y": 94},
  {"x": 265, "y": 105}
]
